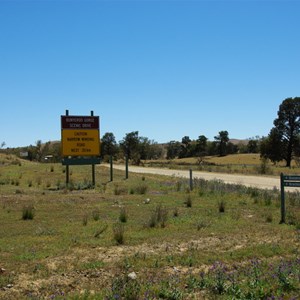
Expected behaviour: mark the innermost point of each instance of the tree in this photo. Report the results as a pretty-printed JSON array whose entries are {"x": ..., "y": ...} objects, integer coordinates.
[
  {"x": 222, "y": 140},
  {"x": 286, "y": 130},
  {"x": 108, "y": 144},
  {"x": 252, "y": 146},
  {"x": 149, "y": 149},
  {"x": 272, "y": 146},
  {"x": 201, "y": 145},
  {"x": 173, "y": 149},
  {"x": 130, "y": 146},
  {"x": 185, "y": 147}
]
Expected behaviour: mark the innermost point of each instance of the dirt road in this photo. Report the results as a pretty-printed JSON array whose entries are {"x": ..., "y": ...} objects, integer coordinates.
[{"x": 263, "y": 182}]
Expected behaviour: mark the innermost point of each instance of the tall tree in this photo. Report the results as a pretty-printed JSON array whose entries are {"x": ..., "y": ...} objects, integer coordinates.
[
  {"x": 108, "y": 144},
  {"x": 185, "y": 147},
  {"x": 272, "y": 146},
  {"x": 201, "y": 145},
  {"x": 222, "y": 140},
  {"x": 287, "y": 126},
  {"x": 130, "y": 144},
  {"x": 173, "y": 149}
]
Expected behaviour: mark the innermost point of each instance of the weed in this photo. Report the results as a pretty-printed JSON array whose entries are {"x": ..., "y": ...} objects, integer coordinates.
[
  {"x": 221, "y": 205},
  {"x": 100, "y": 231},
  {"x": 38, "y": 181},
  {"x": 141, "y": 189},
  {"x": 188, "y": 201},
  {"x": 202, "y": 224},
  {"x": 6, "y": 280},
  {"x": 176, "y": 212},
  {"x": 269, "y": 217},
  {"x": 158, "y": 216},
  {"x": 28, "y": 212},
  {"x": 119, "y": 190},
  {"x": 178, "y": 185},
  {"x": 123, "y": 215},
  {"x": 118, "y": 233},
  {"x": 96, "y": 214},
  {"x": 124, "y": 288},
  {"x": 84, "y": 219}
]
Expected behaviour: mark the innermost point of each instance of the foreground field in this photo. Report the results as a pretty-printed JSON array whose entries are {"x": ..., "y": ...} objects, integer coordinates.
[{"x": 147, "y": 237}]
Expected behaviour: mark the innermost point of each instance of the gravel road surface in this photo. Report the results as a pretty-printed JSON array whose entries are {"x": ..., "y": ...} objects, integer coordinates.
[{"x": 263, "y": 182}]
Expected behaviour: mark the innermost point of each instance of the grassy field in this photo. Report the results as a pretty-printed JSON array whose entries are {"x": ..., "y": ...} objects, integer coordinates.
[
  {"x": 234, "y": 163},
  {"x": 147, "y": 237}
]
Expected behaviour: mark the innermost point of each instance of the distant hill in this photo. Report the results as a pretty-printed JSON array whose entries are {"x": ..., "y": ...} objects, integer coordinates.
[{"x": 238, "y": 142}]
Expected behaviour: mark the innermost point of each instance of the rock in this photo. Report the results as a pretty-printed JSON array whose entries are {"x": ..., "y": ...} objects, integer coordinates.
[{"x": 132, "y": 276}]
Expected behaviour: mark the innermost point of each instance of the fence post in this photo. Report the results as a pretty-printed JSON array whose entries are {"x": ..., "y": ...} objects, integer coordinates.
[
  {"x": 111, "y": 168},
  {"x": 282, "y": 221},
  {"x": 126, "y": 167},
  {"x": 191, "y": 179}
]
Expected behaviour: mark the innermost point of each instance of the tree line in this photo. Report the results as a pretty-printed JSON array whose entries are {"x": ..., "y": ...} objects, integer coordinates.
[{"x": 282, "y": 143}]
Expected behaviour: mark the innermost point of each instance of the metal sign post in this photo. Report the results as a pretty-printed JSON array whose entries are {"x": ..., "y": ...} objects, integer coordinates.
[{"x": 288, "y": 181}]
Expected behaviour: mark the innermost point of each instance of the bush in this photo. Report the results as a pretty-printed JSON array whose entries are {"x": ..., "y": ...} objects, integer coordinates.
[
  {"x": 84, "y": 219},
  {"x": 96, "y": 214},
  {"x": 188, "y": 201},
  {"x": 123, "y": 215},
  {"x": 176, "y": 212},
  {"x": 28, "y": 212},
  {"x": 221, "y": 205},
  {"x": 118, "y": 232},
  {"x": 141, "y": 189},
  {"x": 158, "y": 216}
]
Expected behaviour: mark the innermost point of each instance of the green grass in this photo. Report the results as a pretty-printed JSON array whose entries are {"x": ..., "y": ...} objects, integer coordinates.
[{"x": 54, "y": 255}]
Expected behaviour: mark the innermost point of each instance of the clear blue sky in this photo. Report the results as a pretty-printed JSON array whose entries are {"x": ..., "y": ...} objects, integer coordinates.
[{"x": 164, "y": 68}]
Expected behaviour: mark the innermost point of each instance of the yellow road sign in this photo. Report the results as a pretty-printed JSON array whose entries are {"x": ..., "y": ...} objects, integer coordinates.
[{"x": 80, "y": 142}]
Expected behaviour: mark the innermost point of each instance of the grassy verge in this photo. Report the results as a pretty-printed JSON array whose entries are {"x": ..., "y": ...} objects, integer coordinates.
[{"x": 147, "y": 237}]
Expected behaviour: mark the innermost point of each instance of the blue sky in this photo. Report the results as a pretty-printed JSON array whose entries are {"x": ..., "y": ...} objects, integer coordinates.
[{"x": 164, "y": 68}]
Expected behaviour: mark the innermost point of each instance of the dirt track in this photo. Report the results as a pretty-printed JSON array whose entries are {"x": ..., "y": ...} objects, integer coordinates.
[{"x": 262, "y": 182}]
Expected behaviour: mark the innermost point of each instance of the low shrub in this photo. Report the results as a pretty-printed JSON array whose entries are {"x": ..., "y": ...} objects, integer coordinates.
[
  {"x": 123, "y": 215},
  {"x": 28, "y": 212},
  {"x": 188, "y": 201},
  {"x": 96, "y": 214},
  {"x": 118, "y": 233},
  {"x": 221, "y": 205}
]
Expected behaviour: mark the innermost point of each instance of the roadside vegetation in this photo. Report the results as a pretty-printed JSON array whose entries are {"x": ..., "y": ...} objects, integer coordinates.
[{"x": 148, "y": 237}]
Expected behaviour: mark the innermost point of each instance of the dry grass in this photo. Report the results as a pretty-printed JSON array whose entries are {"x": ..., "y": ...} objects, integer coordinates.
[{"x": 54, "y": 254}]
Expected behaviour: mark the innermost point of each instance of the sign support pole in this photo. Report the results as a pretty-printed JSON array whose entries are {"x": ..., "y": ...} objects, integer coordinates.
[
  {"x": 191, "y": 179},
  {"x": 282, "y": 221},
  {"x": 126, "y": 167},
  {"x": 67, "y": 166},
  {"x": 111, "y": 168}
]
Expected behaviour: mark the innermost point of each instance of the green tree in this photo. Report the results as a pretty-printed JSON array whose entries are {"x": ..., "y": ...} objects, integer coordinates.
[
  {"x": 149, "y": 149},
  {"x": 286, "y": 131},
  {"x": 130, "y": 146},
  {"x": 108, "y": 144},
  {"x": 271, "y": 147},
  {"x": 222, "y": 141},
  {"x": 201, "y": 145},
  {"x": 185, "y": 147},
  {"x": 252, "y": 146},
  {"x": 173, "y": 149}
]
